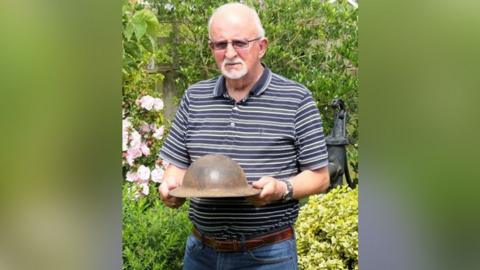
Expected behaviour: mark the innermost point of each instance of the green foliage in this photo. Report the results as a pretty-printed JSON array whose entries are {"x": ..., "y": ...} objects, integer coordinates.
[
  {"x": 312, "y": 42},
  {"x": 154, "y": 236},
  {"x": 327, "y": 231},
  {"x": 140, "y": 30}
]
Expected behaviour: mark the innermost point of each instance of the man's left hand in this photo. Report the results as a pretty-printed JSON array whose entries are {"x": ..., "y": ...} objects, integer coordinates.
[{"x": 272, "y": 190}]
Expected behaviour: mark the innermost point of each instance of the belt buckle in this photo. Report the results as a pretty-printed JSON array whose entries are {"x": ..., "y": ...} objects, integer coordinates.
[
  {"x": 231, "y": 245},
  {"x": 235, "y": 244}
]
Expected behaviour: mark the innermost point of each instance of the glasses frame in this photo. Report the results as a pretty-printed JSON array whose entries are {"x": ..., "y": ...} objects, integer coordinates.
[{"x": 212, "y": 44}]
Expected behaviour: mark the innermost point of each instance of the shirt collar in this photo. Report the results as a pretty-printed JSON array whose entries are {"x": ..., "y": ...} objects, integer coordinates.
[{"x": 258, "y": 88}]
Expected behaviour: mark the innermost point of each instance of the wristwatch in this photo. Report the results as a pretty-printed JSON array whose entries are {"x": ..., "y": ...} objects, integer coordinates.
[{"x": 288, "y": 195}]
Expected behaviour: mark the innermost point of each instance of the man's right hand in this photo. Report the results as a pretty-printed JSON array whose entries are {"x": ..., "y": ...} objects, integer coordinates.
[{"x": 170, "y": 201}]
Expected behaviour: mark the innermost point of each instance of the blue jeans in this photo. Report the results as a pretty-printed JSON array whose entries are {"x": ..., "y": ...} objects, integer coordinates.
[{"x": 277, "y": 256}]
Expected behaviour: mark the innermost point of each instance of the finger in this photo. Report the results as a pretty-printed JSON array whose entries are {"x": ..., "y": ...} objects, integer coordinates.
[
  {"x": 267, "y": 190},
  {"x": 167, "y": 185},
  {"x": 164, "y": 191},
  {"x": 261, "y": 182}
]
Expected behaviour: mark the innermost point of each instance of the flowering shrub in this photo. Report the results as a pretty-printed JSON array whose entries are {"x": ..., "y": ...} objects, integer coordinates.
[
  {"x": 142, "y": 118},
  {"x": 327, "y": 231},
  {"x": 141, "y": 142}
]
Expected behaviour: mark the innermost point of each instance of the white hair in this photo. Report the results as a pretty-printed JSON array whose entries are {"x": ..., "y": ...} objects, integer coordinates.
[{"x": 256, "y": 18}]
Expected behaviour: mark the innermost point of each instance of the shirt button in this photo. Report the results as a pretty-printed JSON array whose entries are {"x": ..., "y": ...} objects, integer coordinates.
[
  {"x": 235, "y": 108},
  {"x": 232, "y": 124}
]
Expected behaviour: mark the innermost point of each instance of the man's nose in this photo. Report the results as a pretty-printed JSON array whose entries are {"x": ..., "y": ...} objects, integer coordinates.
[{"x": 230, "y": 52}]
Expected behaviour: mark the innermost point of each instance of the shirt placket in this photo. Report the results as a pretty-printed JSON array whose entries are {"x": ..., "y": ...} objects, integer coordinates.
[{"x": 233, "y": 123}]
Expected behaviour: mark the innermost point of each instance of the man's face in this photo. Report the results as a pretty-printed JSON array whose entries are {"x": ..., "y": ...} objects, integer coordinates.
[{"x": 235, "y": 47}]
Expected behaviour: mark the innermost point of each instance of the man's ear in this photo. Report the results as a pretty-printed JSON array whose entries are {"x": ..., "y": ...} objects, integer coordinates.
[{"x": 263, "y": 43}]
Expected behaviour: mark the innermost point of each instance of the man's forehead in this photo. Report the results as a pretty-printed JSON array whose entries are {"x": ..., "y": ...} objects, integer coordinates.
[{"x": 233, "y": 26}]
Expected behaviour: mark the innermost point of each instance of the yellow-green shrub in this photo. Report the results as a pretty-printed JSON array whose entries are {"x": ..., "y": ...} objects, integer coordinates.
[{"x": 327, "y": 231}]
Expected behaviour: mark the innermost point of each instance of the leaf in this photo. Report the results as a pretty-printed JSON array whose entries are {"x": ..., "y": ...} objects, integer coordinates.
[
  {"x": 140, "y": 28},
  {"x": 129, "y": 31},
  {"x": 146, "y": 22}
]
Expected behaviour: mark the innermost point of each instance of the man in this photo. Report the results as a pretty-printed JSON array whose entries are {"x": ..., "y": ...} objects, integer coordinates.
[{"x": 266, "y": 123}]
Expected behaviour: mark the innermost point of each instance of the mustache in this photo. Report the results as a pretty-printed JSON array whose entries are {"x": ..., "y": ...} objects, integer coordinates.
[{"x": 232, "y": 61}]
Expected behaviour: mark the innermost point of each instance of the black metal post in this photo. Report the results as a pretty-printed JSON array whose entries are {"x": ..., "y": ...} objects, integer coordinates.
[{"x": 336, "y": 146}]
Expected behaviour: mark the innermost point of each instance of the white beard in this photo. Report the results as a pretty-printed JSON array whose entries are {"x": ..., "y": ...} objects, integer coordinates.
[{"x": 234, "y": 74}]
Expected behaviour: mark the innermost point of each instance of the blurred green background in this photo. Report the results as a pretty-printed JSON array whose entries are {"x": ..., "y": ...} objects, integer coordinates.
[
  {"x": 419, "y": 128},
  {"x": 60, "y": 83}
]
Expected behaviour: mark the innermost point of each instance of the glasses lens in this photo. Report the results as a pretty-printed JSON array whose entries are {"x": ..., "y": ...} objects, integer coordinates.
[
  {"x": 239, "y": 43},
  {"x": 221, "y": 45}
]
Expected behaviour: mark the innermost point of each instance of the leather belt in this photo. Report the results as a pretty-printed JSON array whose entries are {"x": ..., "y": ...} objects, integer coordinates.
[{"x": 239, "y": 245}]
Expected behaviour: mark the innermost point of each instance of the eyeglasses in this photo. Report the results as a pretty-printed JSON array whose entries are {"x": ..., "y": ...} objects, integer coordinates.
[{"x": 236, "y": 43}]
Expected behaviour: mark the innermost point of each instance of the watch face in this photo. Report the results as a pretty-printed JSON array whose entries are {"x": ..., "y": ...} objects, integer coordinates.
[{"x": 288, "y": 195}]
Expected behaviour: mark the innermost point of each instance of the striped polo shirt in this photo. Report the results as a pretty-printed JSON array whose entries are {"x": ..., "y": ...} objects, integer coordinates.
[{"x": 276, "y": 130}]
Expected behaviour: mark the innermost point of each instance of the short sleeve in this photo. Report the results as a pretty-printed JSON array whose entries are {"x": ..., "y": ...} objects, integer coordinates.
[
  {"x": 310, "y": 140},
  {"x": 174, "y": 149}
]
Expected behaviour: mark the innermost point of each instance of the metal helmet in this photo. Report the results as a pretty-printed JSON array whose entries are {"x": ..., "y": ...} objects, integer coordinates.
[{"x": 214, "y": 176}]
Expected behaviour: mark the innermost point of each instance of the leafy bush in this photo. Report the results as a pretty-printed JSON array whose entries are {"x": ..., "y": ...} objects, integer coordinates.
[
  {"x": 327, "y": 231},
  {"x": 312, "y": 42},
  {"x": 154, "y": 236},
  {"x": 142, "y": 116}
]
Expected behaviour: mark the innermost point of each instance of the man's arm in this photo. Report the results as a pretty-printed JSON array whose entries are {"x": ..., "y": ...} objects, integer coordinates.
[
  {"x": 172, "y": 178},
  {"x": 304, "y": 184},
  {"x": 310, "y": 182}
]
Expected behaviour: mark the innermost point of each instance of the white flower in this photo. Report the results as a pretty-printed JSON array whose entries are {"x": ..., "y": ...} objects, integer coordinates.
[
  {"x": 147, "y": 102},
  {"x": 143, "y": 172},
  {"x": 132, "y": 176},
  {"x": 168, "y": 6},
  {"x": 145, "y": 149},
  {"x": 136, "y": 139},
  {"x": 130, "y": 160},
  {"x": 158, "y": 104},
  {"x": 144, "y": 188},
  {"x": 133, "y": 193},
  {"x": 158, "y": 134},
  {"x": 157, "y": 174}
]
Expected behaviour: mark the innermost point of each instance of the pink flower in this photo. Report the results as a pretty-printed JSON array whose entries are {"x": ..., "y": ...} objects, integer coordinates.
[
  {"x": 147, "y": 102},
  {"x": 145, "y": 149},
  {"x": 157, "y": 174},
  {"x": 132, "y": 154},
  {"x": 144, "y": 128},
  {"x": 132, "y": 176},
  {"x": 136, "y": 139},
  {"x": 143, "y": 173},
  {"x": 130, "y": 160},
  {"x": 158, "y": 104}
]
